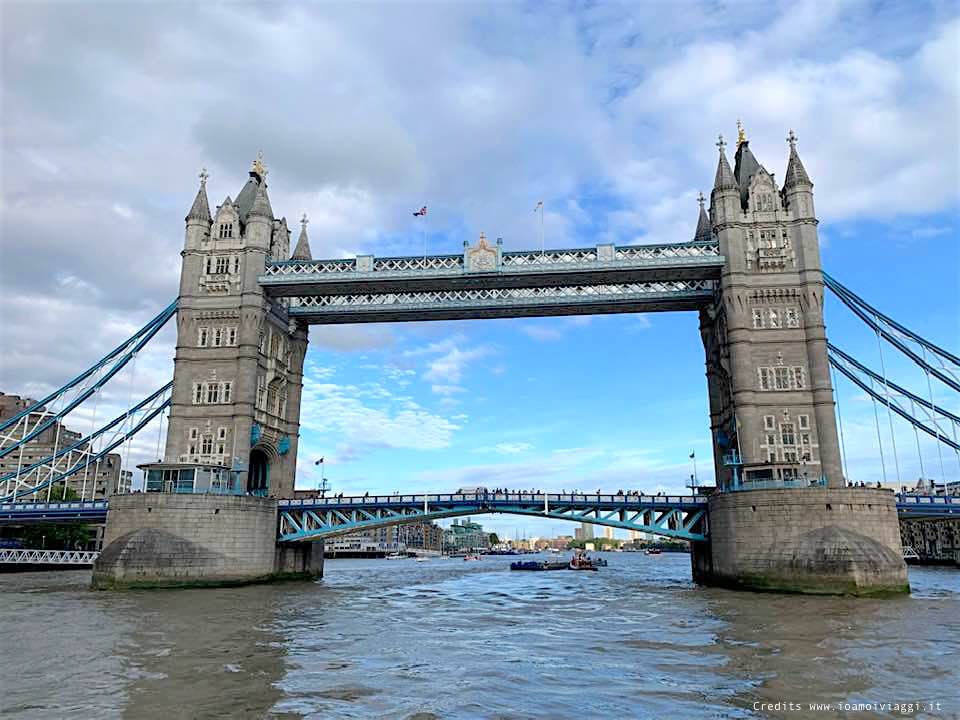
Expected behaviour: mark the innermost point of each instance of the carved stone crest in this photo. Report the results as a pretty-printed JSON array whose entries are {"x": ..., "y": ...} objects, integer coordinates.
[{"x": 482, "y": 257}]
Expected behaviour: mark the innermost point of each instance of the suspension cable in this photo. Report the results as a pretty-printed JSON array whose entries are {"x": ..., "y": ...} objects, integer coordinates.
[
  {"x": 876, "y": 419},
  {"x": 886, "y": 392},
  {"x": 843, "y": 446}
]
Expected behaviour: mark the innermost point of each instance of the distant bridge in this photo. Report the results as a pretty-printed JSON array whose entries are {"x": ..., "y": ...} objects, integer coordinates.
[{"x": 677, "y": 516}]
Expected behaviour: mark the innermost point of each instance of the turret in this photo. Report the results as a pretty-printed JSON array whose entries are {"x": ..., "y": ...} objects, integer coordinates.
[
  {"x": 725, "y": 197},
  {"x": 797, "y": 188},
  {"x": 302, "y": 251},
  {"x": 259, "y": 217},
  {"x": 704, "y": 230},
  {"x": 198, "y": 219}
]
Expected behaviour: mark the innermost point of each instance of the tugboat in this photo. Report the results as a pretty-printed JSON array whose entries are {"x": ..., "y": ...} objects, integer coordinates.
[{"x": 581, "y": 561}]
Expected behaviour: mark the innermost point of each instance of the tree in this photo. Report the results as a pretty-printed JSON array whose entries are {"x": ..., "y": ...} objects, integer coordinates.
[
  {"x": 52, "y": 536},
  {"x": 494, "y": 539}
]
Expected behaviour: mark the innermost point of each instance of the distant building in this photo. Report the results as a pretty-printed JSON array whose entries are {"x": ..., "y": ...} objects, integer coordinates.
[
  {"x": 608, "y": 532},
  {"x": 586, "y": 531},
  {"x": 375, "y": 542},
  {"x": 98, "y": 481},
  {"x": 466, "y": 535},
  {"x": 420, "y": 536}
]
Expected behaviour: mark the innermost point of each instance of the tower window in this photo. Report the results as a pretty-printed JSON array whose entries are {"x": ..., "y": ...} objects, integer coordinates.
[
  {"x": 213, "y": 392},
  {"x": 793, "y": 320},
  {"x": 231, "y": 336},
  {"x": 197, "y": 393},
  {"x": 781, "y": 376},
  {"x": 236, "y": 264},
  {"x": 764, "y": 378},
  {"x": 787, "y": 434},
  {"x": 757, "y": 318},
  {"x": 194, "y": 433},
  {"x": 209, "y": 265},
  {"x": 227, "y": 388},
  {"x": 804, "y": 421},
  {"x": 768, "y": 422},
  {"x": 226, "y": 230},
  {"x": 222, "y": 264},
  {"x": 775, "y": 321},
  {"x": 207, "y": 447},
  {"x": 798, "y": 378},
  {"x": 217, "y": 337},
  {"x": 204, "y": 333},
  {"x": 221, "y": 433}
]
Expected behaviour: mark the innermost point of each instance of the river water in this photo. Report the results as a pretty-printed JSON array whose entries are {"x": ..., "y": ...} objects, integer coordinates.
[{"x": 455, "y": 639}]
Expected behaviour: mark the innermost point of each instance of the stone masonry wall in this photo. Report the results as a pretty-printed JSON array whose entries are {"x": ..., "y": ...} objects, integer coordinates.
[
  {"x": 809, "y": 540},
  {"x": 169, "y": 539}
]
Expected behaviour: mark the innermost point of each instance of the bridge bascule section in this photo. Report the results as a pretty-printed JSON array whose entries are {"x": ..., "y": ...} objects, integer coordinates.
[{"x": 751, "y": 271}]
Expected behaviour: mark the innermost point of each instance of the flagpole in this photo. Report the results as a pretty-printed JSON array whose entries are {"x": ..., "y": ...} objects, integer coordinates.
[{"x": 541, "y": 229}]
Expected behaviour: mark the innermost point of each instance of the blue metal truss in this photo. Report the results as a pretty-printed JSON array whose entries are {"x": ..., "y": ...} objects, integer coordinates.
[
  {"x": 31, "y": 422},
  {"x": 81, "y": 455},
  {"x": 681, "y": 511},
  {"x": 674, "y": 516}
]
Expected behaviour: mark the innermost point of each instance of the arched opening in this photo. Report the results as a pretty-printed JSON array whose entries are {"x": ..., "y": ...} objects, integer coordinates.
[{"x": 258, "y": 480}]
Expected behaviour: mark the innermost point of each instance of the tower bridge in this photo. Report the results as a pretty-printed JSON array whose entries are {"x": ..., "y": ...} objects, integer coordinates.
[{"x": 218, "y": 506}]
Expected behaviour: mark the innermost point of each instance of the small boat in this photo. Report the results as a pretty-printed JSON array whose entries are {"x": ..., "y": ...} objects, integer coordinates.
[
  {"x": 652, "y": 551},
  {"x": 471, "y": 557},
  {"x": 538, "y": 566},
  {"x": 422, "y": 558},
  {"x": 582, "y": 562},
  {"x": 910, "y": 556},
  {"x": 600, "y": 562},
  {"x": 396, "y": 556}
]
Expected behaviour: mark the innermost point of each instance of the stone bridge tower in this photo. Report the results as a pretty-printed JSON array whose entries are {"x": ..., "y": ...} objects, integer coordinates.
[
  {"x": 771, "y": 399},
  {"x": 238, "y": 368}
]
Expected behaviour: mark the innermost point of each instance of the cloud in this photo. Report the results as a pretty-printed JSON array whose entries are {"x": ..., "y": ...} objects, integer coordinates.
[
  {"x": 541, "y": 333},
  {"x": 372, "y": 419},
  {"x": 506, "y": 448}
]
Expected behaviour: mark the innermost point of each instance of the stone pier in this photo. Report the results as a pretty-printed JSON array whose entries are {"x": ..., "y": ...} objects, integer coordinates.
[
  {"x": 816, "y": 540},
  {"x": 174, "y": 540}
]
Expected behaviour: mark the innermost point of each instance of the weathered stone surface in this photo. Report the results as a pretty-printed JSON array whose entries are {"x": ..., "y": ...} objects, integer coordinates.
[
  {"x": 161, "y": 540},
  {"x": 834, "y": 541}
]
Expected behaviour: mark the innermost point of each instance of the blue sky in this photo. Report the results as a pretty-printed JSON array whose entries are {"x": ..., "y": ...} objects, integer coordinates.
[{"x": 608, "y": 112}]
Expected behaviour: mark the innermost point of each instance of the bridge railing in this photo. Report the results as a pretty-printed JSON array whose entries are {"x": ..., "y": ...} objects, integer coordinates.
[
  {"x": 490, "y": 497},
  {"x": 524, "y": 261}
]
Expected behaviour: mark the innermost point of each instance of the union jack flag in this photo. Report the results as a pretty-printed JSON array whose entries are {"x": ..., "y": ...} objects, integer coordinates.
[{"x": 421, "y": 212}]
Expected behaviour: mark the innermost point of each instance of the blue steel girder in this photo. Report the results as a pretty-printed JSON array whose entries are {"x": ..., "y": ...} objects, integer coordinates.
[{"x": 681, "y": 517}]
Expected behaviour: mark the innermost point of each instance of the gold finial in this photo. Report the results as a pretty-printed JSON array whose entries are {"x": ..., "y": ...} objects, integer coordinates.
[
  {"x": 203, "y": 177},
  {"x": 741, "y": 135},
  {"x": 258, "y": 167}
]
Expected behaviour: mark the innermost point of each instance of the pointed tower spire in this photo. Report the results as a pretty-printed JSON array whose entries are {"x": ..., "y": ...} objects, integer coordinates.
[
  {"x": 724, "y": 179},
  {"x": 704, "y": 230},
  {"x": 796, "y": 173},
  {"x": 200, "y": 210},
  {"x": 261, "y": 203},
  {"x": 302, "y": 250}
]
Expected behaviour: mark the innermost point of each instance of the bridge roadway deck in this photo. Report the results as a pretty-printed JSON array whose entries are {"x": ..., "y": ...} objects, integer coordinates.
[
  {"x": 601, "y": 279},
  {"x": 24, "y": 513}
]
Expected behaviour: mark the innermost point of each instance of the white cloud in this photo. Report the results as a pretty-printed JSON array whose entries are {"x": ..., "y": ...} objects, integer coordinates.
[{"x": 383, "y": 420}]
